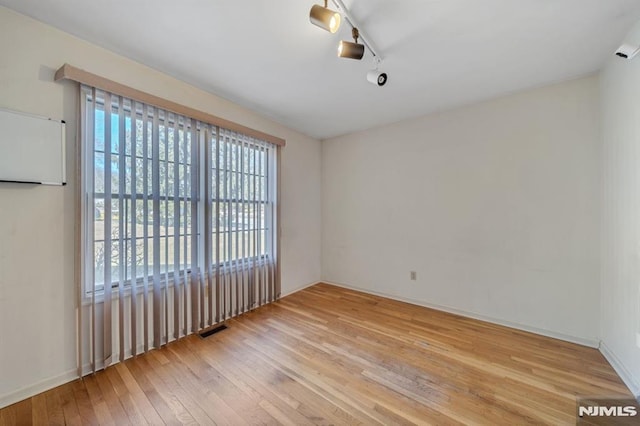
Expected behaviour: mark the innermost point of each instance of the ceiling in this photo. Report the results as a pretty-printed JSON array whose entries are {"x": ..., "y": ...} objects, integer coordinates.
[{"x": 267, "y": 57}]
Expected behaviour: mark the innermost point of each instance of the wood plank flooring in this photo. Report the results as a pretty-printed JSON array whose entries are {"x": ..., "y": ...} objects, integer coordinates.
[{"x": 328, "y": 355}]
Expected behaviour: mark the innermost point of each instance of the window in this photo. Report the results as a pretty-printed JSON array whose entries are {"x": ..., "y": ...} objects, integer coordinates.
[
  {"x": 166, "y": 194},
  {"x": 141, "y": 189},
  {"x": 240, "y": 194}
]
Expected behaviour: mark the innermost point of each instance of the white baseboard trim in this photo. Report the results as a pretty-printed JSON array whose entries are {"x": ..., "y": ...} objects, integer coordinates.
[
  {"x": 622, "y": 371},
  {"x": 517, "y": 326},
  {"x": 299, "y": 289},
  {"x": 31, "y": 390}
]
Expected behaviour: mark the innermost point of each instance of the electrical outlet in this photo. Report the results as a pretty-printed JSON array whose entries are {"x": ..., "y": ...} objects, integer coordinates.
[{"x": 413, "y": 275}]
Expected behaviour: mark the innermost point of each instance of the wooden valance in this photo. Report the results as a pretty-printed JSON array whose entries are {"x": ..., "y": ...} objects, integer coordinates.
[{"x": 69, "y": 72}]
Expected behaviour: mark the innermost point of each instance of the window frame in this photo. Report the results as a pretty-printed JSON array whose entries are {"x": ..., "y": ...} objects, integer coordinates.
[{"x": 169, "y": 278}]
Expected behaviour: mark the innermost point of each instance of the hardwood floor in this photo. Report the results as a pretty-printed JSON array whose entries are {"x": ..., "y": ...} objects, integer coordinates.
[{"x": 327, "y": 355}]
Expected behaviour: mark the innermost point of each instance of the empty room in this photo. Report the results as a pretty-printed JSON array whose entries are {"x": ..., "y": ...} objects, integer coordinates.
[{"x": 339, "y": 212}]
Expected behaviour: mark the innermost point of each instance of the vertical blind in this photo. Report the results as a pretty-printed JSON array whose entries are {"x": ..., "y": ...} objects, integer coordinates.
[{"x": 179, "y": 226}]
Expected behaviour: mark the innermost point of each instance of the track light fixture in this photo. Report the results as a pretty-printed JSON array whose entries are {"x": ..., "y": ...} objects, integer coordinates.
[
  {"x": 325, "y": 18},
  {"x": 347, "y": 49},
  {"x": 375, "y": 76},
  {"x": 329, "y": 20}
]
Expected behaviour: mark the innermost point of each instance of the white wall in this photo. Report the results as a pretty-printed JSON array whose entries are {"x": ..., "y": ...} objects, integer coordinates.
[
  {"x": 37, "y": 228},
  {"x": 495, "y": 206},
  {"x": 620, "y": 93}
]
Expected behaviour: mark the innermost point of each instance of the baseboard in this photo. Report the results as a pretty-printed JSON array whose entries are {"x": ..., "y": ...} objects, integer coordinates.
[
  {"x": 622, "y": 371},
  {"x": 517, "y": 326},
  {"x": 297, "y": 289},
  {"x": 31, "y": 390}
]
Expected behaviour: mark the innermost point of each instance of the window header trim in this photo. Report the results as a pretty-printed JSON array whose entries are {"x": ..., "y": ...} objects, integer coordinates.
[{"x": 69, "y": 72}]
